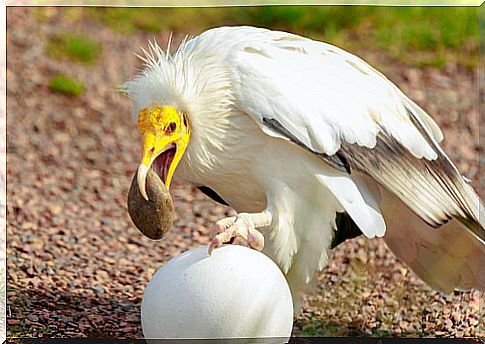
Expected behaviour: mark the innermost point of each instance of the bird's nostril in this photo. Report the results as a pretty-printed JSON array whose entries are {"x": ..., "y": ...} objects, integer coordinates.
[{"x": 152, "y": 150}]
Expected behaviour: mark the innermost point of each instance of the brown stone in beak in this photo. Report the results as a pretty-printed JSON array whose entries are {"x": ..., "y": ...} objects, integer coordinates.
[{"x": 154, "y": 217}]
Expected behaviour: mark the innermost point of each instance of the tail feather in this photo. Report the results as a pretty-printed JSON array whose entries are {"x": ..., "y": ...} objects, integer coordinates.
[
  {"x": 476, "y": 223},
  {"x": 446, "y": 258}
]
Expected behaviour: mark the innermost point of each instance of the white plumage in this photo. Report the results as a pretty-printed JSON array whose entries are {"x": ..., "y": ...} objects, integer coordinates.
[{"x": 305, "y": 130}]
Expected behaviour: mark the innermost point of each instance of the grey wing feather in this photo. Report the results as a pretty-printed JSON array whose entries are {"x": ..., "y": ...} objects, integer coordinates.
[{"x": 434, "y": 190}]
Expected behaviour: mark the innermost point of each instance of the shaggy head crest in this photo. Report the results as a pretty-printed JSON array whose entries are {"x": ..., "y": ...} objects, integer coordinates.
[
  {"x": 193, "y": 80},
  {"x": 162, "y": 81}
]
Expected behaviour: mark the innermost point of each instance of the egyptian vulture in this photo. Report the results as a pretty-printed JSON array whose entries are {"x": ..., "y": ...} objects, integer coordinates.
[{"x": 309, "y": 144}]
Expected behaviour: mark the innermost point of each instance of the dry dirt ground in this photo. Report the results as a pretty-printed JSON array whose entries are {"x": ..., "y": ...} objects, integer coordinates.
[{"x": 77, "y": 267}]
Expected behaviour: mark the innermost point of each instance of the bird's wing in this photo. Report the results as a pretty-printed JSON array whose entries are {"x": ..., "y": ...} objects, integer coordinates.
[{"x": 338, "y": 107}]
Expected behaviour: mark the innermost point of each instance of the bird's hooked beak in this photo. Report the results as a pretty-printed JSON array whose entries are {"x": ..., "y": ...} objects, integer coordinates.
[{"x": 165, "y": 135}]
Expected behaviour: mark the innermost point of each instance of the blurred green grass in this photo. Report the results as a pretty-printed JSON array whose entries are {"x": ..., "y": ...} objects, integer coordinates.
[
  {"x": 66, "y": 85},
  {"x": 419, "y": 36},
  {"x": 422, "y": 36},
  {"x": 73, "y": 47}
]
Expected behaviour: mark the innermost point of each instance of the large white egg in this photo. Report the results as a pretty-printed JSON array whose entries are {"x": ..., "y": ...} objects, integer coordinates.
[{"x": 236, "y": 292}]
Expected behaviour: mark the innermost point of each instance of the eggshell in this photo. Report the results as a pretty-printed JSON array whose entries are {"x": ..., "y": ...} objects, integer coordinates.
[{"x": 235, "y": 293}]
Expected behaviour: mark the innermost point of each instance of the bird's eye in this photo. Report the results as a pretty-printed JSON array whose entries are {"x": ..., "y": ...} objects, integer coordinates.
[{"x": 171, "y": 127}]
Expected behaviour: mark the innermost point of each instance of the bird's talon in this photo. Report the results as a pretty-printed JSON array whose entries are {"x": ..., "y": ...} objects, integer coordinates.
[
  {"x": 215, "y": 243},
  {"x": 228, "y": 229},
  {"x": 255, "y": 240}
]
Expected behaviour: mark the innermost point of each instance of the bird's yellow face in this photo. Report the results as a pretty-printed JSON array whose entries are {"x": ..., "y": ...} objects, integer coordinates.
[{"x": 165, "y": 133}]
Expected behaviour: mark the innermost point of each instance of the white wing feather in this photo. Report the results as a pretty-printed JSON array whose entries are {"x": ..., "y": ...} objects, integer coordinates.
[
  {"x": 323, "y": 95},
  {"x": 363, "y": 210}
]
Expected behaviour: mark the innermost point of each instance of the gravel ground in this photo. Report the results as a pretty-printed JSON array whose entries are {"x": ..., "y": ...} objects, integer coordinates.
[{"x": 77, "y": 267}]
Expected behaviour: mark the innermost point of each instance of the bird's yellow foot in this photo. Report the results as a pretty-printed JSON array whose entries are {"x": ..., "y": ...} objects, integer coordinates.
[{"x": 242, "y": 226}]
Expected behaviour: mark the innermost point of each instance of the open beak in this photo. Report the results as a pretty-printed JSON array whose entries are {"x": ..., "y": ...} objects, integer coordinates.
[
  {"x": 162, "y": 154},
  {"x": 166, "y": 134},
  {"x": 141, "y": 177}
]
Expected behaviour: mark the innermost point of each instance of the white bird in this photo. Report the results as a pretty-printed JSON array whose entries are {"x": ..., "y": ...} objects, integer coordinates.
[{"x": 307, "y": 142}]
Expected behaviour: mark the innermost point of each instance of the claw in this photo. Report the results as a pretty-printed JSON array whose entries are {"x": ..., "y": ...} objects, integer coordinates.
[
  {"x": 215, "y": 243},
  {"x": 237, "y": 227},
  {"x": 256, "y": 240}
]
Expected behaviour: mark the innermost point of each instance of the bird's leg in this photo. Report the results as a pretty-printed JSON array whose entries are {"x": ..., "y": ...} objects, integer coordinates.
[{"x": 244, "y": 226}]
